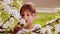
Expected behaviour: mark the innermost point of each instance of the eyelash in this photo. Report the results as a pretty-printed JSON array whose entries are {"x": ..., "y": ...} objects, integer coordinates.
[{"x": 23, "y": 15}]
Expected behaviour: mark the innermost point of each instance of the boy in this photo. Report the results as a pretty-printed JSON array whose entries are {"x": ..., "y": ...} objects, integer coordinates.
[{"x": 28, "y": 13}]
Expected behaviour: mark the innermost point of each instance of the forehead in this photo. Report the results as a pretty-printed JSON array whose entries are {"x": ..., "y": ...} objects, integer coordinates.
[{"x": 27, "y": 11}]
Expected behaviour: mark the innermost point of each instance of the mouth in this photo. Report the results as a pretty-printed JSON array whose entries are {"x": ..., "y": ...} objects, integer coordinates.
[{"x": 26, "y": 21}]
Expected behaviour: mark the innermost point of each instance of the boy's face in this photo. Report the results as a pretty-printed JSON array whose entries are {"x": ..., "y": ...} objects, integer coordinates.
[{"x": 27, "y": 16}]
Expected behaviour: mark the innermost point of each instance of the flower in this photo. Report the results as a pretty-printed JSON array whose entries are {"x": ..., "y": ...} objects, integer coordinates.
[
  {"x": 1, "y": 23},
  {"x": 37, "y": 26},
  {"x": 4, "y": 26},
  {"x": 6, "y": 1},
  {"x": 43, "y": 30},
  {"x": 23, "y": 31},
  {"x": 48, "y": 30},
  {"x": 11, "y": 20},
  {"x": 22, "y": 21},
  {"x": 16, "y": 14},
  {"x": 57, "y": 28},
  {"x": 12, "y": 12},
  {"x": 11, "y": 1}
]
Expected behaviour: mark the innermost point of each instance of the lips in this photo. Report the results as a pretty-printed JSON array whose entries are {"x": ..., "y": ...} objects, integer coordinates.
[{"x": 26, "y": 21}]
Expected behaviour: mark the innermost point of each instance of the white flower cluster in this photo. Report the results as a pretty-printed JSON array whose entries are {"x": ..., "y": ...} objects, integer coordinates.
[
  {"x": 12, "y": 12},
  {"x": 38, "y": 29},
  {"x": 44, "y": 30},
  {"x": 35, "y": 30},
  {"x": 23, "y": 31},
  {"x": 22, "y": 21},
  {"x": 57, "y": 28},
  {"x": 8, "y": 23}
]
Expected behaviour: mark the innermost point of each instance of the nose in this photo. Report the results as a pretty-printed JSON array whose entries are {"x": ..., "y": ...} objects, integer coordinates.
[{"x": 25, "y": 17}]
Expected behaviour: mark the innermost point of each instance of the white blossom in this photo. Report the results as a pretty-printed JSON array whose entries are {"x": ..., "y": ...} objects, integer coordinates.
[
  {"x": 47, "y": 26},
  {"x": 12, "y": 1},
  {"x": 48, "y": 30},
  {"x": 57, "y": 28},
  {"x": 6, "y": 7},
  {"x": 43, "y": 30},
  {"x": 6, "y": 1},
  {"x": 11, "y": 20},
  {"x": 22, "y": 21},
  {"x": 1, "y": 23},
  {"x": 37, "y": 26},
  {"x": 4, "y": 26},
  {"x": 8, "y": 23},
  {"x": 16, "y": 14},
  {"x": 22, "y": 31},
  {"x": 51, "y": 27},
  {"x": 13, "y": 12}
]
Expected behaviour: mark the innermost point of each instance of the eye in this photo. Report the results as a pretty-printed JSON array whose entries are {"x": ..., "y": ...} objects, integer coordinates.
[
  {"x": 27, "y": 14},
  {"x": 22, "y": 15}
]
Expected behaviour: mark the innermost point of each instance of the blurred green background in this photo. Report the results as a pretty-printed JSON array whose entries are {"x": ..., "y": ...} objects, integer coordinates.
[{"x": 42, "y": 18}]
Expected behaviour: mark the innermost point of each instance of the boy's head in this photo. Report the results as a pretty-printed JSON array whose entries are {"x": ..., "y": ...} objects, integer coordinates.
[{"x": 28, "y": 12}]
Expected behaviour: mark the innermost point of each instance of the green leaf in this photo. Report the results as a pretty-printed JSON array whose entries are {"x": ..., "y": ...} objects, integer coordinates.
[{"x": 4, "y": 15}]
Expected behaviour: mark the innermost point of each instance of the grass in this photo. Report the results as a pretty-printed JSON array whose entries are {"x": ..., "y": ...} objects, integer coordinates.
[{"x": 42, "y": 18}]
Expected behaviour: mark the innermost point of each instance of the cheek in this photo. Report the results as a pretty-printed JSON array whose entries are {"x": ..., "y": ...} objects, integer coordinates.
[{"x": 30, "y": 18}]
